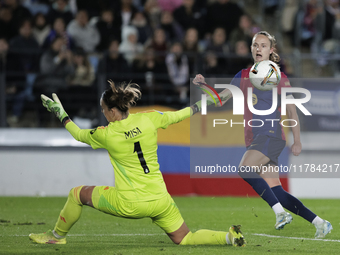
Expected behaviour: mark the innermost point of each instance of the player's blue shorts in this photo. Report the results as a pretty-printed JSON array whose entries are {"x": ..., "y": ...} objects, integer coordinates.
[{"x": 269, "y": 146}]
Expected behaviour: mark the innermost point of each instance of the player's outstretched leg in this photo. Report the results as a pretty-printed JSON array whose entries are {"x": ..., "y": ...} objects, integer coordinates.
[
  {"x": 209, "y": 237},
  {"x": 68, "y": 216},
  {"x": 294, "y": 205}
]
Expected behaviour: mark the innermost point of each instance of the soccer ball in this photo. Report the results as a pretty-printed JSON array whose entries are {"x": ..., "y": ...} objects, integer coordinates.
[{"x": 265, "y": 75}]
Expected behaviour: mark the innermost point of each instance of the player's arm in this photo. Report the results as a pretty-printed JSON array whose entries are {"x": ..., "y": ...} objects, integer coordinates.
[
  {"x": 292, "y": 114},
  {"x": 82, "y": 135},
  {"x": 224, "y": 95}
]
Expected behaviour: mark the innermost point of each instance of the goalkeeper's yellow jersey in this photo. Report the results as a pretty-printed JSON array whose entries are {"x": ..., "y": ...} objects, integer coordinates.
[{"x": 132, "y": 147}]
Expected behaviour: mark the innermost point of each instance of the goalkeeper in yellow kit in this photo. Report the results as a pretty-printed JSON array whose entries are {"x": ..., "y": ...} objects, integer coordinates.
[{"x": 140, "y": 191}]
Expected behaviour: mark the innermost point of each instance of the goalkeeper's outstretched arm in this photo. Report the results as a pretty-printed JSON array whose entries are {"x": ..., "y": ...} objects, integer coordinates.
[{"x": 54, "y": 105}]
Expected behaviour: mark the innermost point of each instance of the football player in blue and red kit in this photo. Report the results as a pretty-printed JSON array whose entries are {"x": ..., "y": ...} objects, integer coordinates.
[{"x": 265, "y": 144}]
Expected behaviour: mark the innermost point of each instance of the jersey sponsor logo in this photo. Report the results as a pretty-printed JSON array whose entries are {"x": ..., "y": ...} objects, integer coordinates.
[
  {"x": 132, "y": 133},
  {"x": 254, "y": 99},
  {"x": 95, "y": 129},
  {"x": 62, "y": 218}
]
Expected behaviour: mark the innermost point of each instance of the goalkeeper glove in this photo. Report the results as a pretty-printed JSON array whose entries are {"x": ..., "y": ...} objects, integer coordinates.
[{"x": 55, "y": 106}]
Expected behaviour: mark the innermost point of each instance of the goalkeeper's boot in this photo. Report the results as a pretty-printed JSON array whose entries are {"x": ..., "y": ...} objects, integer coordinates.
[
  {"x": 235, "y": 236},
  {"x": 323, "y": 229},
  {"x": 282, "y": 219},
  {"x": 47, "y": 237}
]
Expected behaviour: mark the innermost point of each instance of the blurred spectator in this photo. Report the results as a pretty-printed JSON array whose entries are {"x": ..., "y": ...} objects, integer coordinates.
[
  {"x": 330, "y": 31},
  {"x": 189, "y": 15},
  {"x": 113, "y": 64},
  {"x": 108, "y": 28},
  {"x": 36, "y": 6},
  {"x": 332, "y": 15},
  {"x": 169, "y": 6},
  {"x": 55, "y": 65},
  {"x": 218, "y": 42},
  {"x": 130, "y": 48},
  {"x": 211, "y": 66},
  {"x": 223, "y": 13},
  {"x": 126, "y": 12},
  {"x": 84, "y": 35},
  {"x": 22, "y": 67},
  {"x": 148, "y": 62},
  {"x": 153, "y": 13},
  {"x": 41, "y": 28},
  {"x": 81, "y": 87},
  {"x": 144, "y": 29},
  {"x": 3, "y": 54},
  {"x": 308, "y": 29},
  {"x": 60, "y": 9},
  {"x": 7, "y": 28},
  {"x": 172, "y": 29},
  {"x": 94, "y": 8},
  {"x": 159, "y": 43},
  {"x": 270, "y": 6},
  {"x": 245, "y": 31},
  {"x": 148, "y": 66},
  {"x": 242, "y": 58},
  {"x": 25, "y": 50},
  {"x": 58, "y": 30},
  {"x": 190, "y": 47},
  {"x": 84, "y": 72},
  {"x": 178, "y": 69},
  {"x": 19, "y": 13}
]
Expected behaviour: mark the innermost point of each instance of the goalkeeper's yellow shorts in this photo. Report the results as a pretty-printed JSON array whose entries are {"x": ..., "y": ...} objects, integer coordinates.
[{"x": 163, "y": 212}]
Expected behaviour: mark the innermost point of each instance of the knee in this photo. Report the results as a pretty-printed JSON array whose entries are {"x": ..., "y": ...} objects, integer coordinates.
[
  {"x": 75, "y": 194},
  {"x": 248, "y": 172},
  {"x": 75, "y": 190}
]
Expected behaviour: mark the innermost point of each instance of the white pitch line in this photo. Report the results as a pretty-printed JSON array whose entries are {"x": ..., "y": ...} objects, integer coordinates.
[
  {"x": 97, "y": 235},
  {"x": 297, "y": 238}
]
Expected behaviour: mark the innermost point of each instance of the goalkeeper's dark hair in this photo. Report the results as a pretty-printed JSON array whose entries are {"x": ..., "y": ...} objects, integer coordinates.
[
  {"x": 122, "y": 96},
  {"x": 273, "y": 56}
]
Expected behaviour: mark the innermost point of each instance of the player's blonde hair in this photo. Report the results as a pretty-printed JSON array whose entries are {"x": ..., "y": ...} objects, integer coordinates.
[
  {"x": 122, "y": 96},
  {"x": 273, "y": 56}
]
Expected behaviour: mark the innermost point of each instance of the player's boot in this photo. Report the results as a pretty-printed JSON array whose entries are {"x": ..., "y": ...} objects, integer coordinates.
[
  {"x": 235, "y": 236},
  {"x": 323, "y": 229},
  {"x": 47, "y": 237},
  {"x": 282, "y": 219}
]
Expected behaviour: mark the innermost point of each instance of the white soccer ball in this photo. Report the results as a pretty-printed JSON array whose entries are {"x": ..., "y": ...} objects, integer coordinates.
[{"x": 265, "y": 75}]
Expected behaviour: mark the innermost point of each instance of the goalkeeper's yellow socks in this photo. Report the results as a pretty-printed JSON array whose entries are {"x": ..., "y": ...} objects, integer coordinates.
[
  {"x": 69, "y": 214},
  {"x": 205, "y": 236}
]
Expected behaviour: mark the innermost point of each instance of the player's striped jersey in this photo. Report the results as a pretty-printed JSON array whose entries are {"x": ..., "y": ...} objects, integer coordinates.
[
  {"x": 132, "y": 147},
  {"x": 262, "y": 100}
]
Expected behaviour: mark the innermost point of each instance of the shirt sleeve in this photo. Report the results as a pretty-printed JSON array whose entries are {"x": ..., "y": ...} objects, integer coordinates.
[
  {"x": 96, "y": 138},
  {"x": 237, "y": 79},
  {"x": 164, "y": 119}
]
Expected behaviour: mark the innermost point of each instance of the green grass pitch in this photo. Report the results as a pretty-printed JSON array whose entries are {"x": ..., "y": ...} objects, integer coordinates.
[{"x": 99, "y": 233}]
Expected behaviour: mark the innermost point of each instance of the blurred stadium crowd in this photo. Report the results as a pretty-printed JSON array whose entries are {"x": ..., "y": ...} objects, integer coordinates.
[{"x": 72, "y": 47}]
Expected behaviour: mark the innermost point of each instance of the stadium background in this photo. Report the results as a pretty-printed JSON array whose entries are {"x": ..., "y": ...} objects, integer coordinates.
[{"x": 45, "y": 161}]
